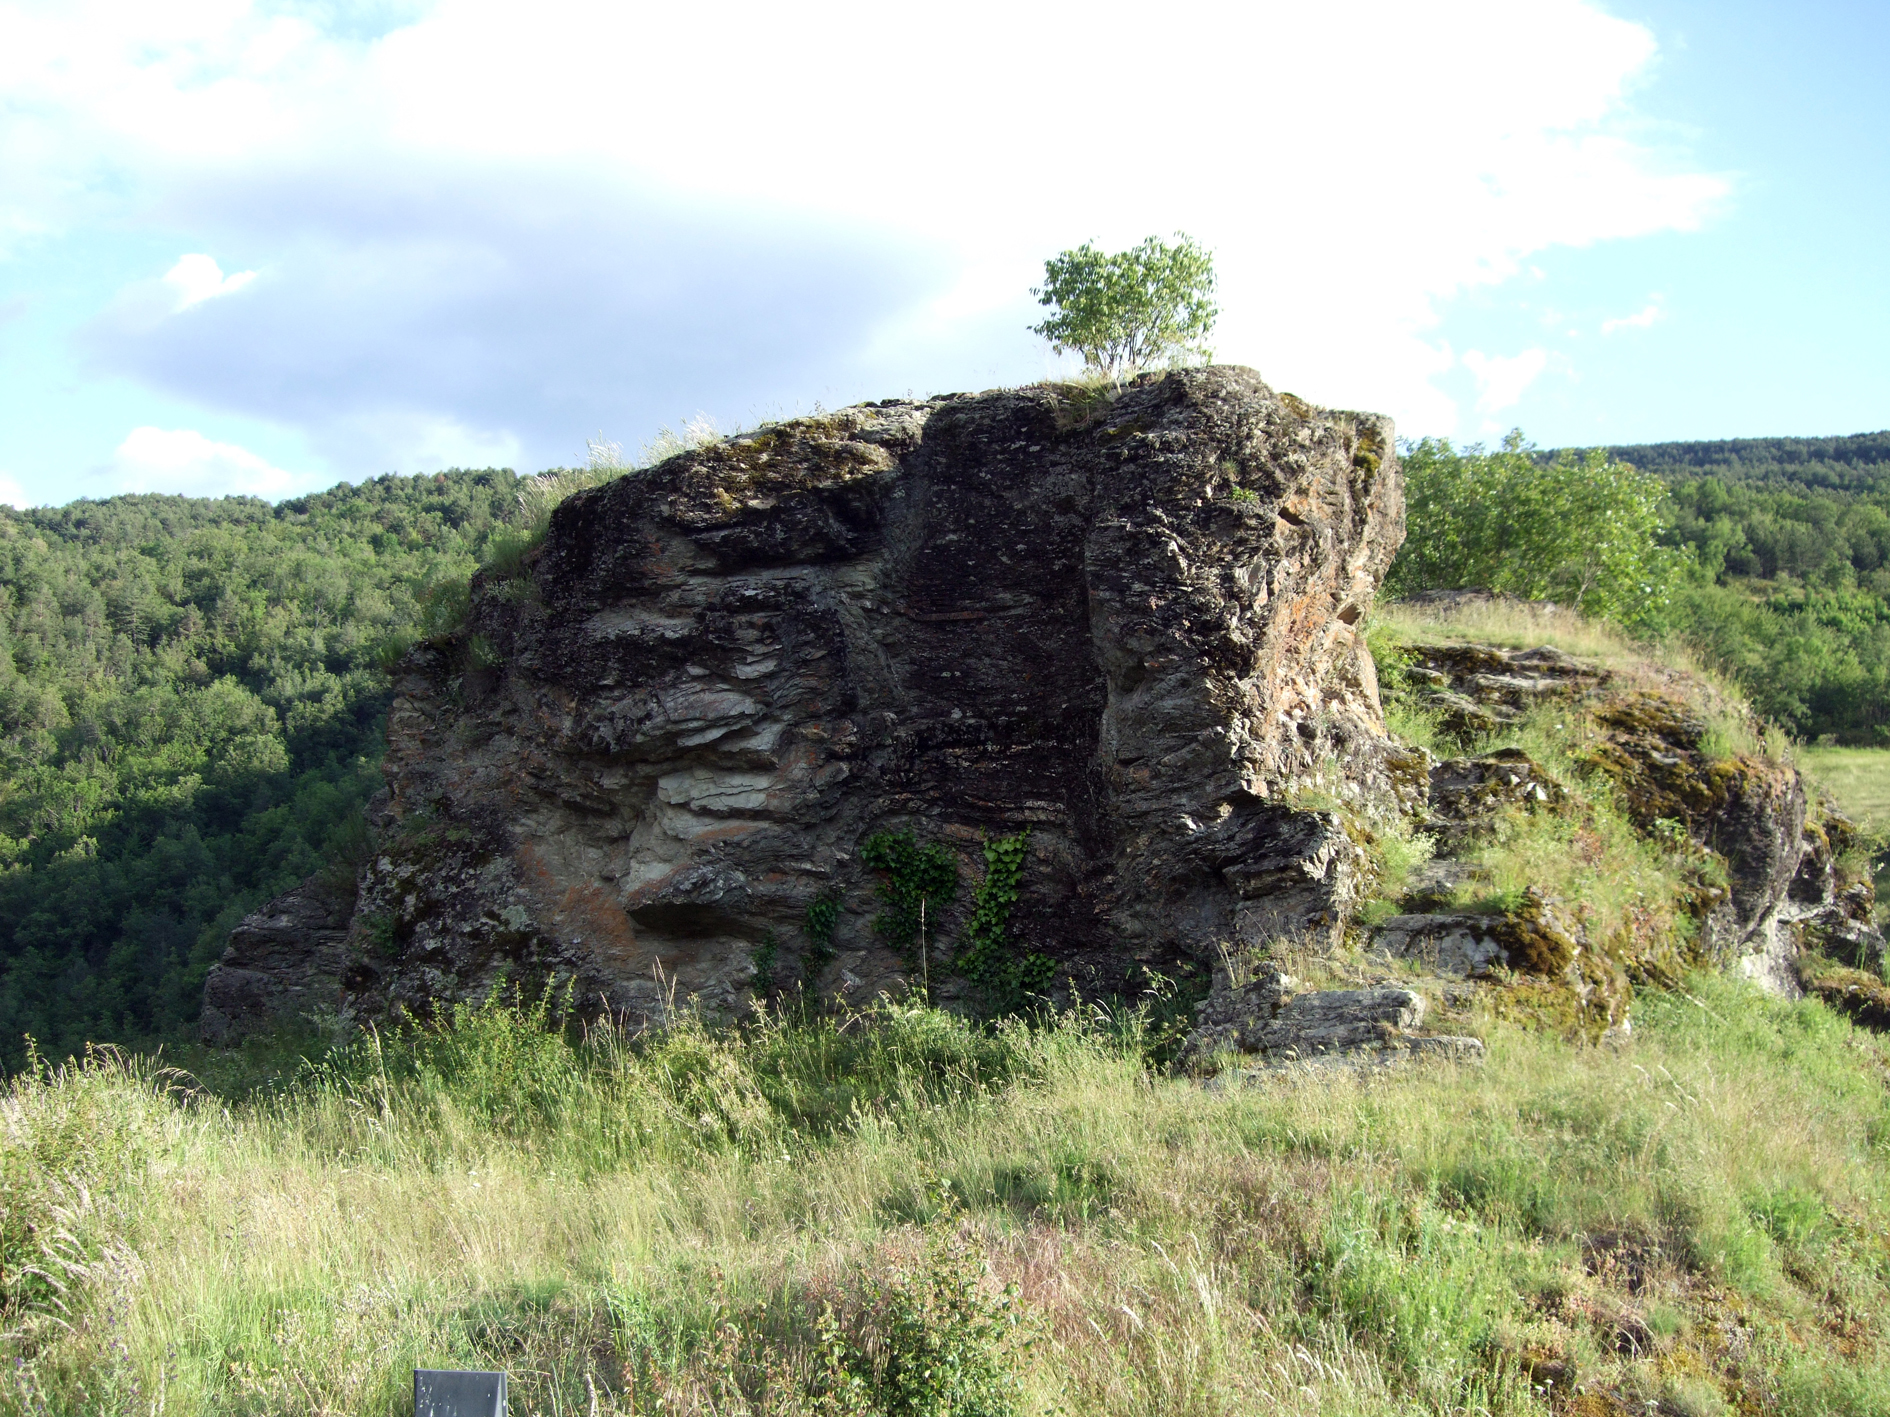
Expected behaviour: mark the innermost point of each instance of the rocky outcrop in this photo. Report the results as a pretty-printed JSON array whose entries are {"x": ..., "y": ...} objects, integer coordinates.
[
  {"x": 1271, "y": 1017},
  {"x": 1480, "y": 688},
  {"x": 1109, "y": 637},
  {"x": 1765, "y": 881},
  {"x": 1833, "y": 909},
  {"x": 284, "y": 963},
  {"x": 1122, "y": 622},
  {"x": 1748, "y": 809}
]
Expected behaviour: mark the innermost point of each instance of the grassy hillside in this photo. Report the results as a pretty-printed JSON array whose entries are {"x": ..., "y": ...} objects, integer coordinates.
[
  {"x": 894, "y": 1213},
  {"x": 1858, "y": 779}
]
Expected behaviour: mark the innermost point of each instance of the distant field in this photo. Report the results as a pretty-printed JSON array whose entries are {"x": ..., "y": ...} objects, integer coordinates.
[{"x": 1859, "y": 778}]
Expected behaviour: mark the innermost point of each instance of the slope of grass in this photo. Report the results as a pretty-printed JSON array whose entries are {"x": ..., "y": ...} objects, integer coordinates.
[
  {"x": 1857, "y": 779},
  {"x": 894, "y": 1212}
]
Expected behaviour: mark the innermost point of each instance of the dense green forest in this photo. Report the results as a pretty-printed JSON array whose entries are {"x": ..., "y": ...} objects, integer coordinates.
[
  {"x": 1790, "y": 593},
  {"x": 192, "y": 692},
  {"x": 191, "y": 705}
]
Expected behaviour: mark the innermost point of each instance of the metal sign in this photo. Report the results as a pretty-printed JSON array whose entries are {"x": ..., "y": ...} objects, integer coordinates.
[{"x": 440, "y": 1392}]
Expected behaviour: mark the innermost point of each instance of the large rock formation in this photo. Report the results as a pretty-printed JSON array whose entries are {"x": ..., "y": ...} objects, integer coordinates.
[{"x": 1123, "y": 622}]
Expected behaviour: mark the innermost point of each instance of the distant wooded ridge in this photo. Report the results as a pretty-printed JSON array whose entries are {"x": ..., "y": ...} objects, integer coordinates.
[{"x": 1857, "y": 462}]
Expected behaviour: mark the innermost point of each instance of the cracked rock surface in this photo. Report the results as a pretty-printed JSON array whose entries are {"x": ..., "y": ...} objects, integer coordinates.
[
  {"x": 1272, "y": 1017},
  {"x": 1122, "y": 621}
]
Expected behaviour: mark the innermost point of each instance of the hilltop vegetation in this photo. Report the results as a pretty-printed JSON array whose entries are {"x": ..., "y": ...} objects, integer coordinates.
[
  {"x": 1769, "y": 558},
  {"x": 1858, "y": 463},
  {"x": 1792, "y": 591}
]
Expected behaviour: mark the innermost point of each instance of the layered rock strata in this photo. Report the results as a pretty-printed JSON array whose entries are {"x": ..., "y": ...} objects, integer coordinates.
[
  {"x": 1271, "y": 1016},
  {"x": 284, "y": 963},
  {"x": 1123, "y": 622}
]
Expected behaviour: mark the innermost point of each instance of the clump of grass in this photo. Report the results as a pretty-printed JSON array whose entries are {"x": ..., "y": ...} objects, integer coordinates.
[
  {"x": 509, "y": 549},
  {"x": 667, "y": 442},
  {"x": 1520, "y": 624}
]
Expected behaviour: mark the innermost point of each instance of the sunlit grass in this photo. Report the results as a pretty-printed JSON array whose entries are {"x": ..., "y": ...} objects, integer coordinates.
[
  {"x": 1857, "y": 779},
  {"x": 1661, "y": 666},
  {"x": 669, "y": 1217}
]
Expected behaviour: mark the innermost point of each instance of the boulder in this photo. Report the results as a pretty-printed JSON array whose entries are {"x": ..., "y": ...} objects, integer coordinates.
[
  {"x": 1271, "y": 1017},
  {"x": 285, "y": 964},
  {"x": 1479, "y": 688},
  {"x": 1124, "y": 622},
  {"x": 1466, "y": 945}
]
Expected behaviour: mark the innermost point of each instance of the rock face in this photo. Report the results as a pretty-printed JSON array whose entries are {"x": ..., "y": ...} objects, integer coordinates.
[
  {"x": 1270, "y": 1016},
  {"x": 1123, "y": 623},
  {"x": 286, "y": 961}
]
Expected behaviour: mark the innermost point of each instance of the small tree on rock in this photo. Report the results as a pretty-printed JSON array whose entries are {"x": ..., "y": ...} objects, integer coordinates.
[{"x": 1124, "y": 310}]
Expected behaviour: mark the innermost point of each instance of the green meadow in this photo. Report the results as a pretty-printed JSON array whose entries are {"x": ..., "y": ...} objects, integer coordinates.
[{"x": 896, "y": 1212}]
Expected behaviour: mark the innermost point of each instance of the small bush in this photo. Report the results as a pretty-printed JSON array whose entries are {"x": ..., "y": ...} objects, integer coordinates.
[
  {"x": 922, "y": 1336},
  {"x": 1578, "y": 528}
]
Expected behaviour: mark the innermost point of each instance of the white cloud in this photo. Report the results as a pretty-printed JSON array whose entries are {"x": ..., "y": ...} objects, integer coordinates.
[
  {"x": 1503, "y": 379},
  {"x": 417, "y": 442},
  {"x": 12, "y": 494},
  {"x": 182, "y": 460},
  {"x": 1640, "y": 320},
  {"x": 468, "y": 221},
  {"x": 195, "y": 279}
]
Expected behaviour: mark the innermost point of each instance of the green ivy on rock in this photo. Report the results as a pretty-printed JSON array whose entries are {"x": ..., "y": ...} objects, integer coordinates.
[
  {"x": 914, "y": 882},
  {"x": 988, "y": 957}
]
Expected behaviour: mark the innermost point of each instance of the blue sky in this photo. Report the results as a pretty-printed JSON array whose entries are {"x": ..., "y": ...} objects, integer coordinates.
[{"x": 268, "y": 247}]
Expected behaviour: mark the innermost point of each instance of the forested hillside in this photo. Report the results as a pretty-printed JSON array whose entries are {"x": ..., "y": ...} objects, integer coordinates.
[
  {"x": 1792, "y": 590},
  {"x": 191, "y": 701},
  {"x": 1860, "y": 462}
]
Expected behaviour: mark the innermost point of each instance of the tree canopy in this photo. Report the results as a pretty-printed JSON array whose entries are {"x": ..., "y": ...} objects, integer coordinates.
[
  {"x": 1125, "y": 310},
  {"x": 1580, "y": 528},
  {"x": 191, "y": 708}
]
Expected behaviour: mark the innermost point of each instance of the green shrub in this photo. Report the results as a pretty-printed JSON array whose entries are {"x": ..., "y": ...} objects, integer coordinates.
[
  {"x": 1578, "y": 528},
  {"x": 1124, "y": 310},
  {"x": 922, "y": 1337}
]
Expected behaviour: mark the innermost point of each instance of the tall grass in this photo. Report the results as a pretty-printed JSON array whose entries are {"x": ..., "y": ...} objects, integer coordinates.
[{"x": 814, "y": 1213}]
